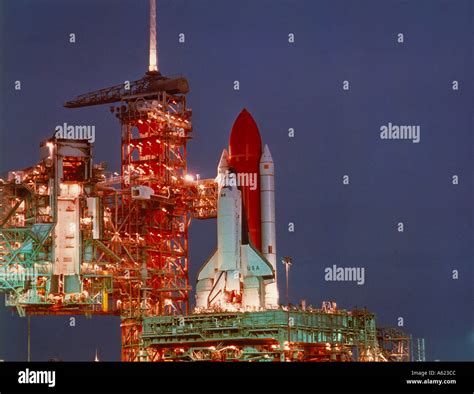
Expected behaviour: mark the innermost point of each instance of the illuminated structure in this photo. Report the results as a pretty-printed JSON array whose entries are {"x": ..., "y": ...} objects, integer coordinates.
[
  {"x": 315, "y": 335},
  {"x": 152, "y": 208},
  {"x": 95, "y": 244},
  {"x": 46, "y": 265},
  {"x": 77, "y": 240}
]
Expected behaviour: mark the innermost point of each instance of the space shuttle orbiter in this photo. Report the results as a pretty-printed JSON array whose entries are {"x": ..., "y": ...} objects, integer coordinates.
[{"x": 240, "y": 275}]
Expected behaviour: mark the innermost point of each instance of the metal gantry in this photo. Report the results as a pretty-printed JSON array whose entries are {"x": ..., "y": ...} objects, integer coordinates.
[
  {"x": 316, "y": 335},
  {"x": 156, "y": 215},
  {"x": 395, "y": 343}
]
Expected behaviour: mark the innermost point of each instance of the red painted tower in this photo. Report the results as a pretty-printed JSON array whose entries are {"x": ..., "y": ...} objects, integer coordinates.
[{"x": 245, "y": 151}]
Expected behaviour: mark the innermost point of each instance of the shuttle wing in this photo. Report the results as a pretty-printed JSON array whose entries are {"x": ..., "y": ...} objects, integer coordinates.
[
  {"x": 255, "y": 264},
  {"x": 209, "y": 268}
]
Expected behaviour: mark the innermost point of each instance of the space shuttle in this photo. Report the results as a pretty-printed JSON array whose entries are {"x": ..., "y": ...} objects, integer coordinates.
[{"x": 241, "y": 273}]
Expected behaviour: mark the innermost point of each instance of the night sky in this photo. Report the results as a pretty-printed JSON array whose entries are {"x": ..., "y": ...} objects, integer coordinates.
[{"x": 284, "y": 85}]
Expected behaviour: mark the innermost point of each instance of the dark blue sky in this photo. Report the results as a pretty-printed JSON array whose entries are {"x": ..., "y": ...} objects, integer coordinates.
[{"x": 283, "y": 85}]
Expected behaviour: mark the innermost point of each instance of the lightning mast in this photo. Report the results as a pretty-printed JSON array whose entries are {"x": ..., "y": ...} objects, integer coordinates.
[{"x": 153, "y": 66}]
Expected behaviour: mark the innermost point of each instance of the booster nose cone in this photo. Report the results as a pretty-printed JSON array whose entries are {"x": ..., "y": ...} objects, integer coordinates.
[{"x": 266, "y": 155}]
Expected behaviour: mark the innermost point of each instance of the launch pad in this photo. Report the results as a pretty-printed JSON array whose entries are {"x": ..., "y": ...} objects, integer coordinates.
[{"x": 268, "y": 335}]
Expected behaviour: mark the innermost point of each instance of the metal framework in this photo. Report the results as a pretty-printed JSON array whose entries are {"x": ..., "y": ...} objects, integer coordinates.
[
  {"x": 29, "y": 217},
  {"x": 315, "y": 335},
  {"x": 155, "y": 215},
  {"x": 151, "y": 83},
  {"x": 395, "y": 343}
]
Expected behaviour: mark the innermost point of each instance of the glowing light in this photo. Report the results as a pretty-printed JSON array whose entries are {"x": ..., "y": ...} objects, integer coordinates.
[
  {"x": 50, "y": 147},
  {"x": 188, "y": 178},
  {"x": 153, "y": 58}
]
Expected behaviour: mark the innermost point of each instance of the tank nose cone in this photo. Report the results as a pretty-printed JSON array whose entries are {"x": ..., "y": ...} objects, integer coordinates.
[
  {"x": 245, "y": 150},
  {"x": 245, "y": 140}
]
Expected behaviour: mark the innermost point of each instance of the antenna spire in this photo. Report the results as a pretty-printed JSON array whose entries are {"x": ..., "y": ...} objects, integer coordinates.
[{"x": 153, "y": 65}]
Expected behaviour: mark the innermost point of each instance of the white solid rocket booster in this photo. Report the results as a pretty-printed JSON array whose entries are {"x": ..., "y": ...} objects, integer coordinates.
[{"x": 267, "y": 201}]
